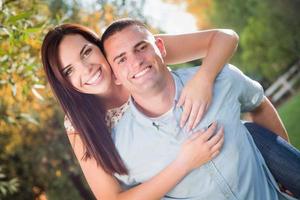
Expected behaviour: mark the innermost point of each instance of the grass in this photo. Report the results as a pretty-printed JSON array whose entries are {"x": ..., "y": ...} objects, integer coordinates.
[{"x": 290, "y": 115}]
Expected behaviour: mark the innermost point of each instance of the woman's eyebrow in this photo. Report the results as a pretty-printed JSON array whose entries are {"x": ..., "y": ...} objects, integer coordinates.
[
  {"x": 66, "y": 67},
  {"x": 82, "y": 50},
  {"x": 80, "y": 53}
]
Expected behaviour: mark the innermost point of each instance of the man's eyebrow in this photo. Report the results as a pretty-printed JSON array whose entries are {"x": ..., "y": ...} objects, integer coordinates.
[
  {"x": 123, "y": 53},
  {"x": 139, "y": 43},
  {"x": 118, "y": 56}
]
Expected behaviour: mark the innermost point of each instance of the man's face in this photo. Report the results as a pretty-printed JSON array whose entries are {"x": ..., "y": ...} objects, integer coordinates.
[{"x": 136, "y": 59}]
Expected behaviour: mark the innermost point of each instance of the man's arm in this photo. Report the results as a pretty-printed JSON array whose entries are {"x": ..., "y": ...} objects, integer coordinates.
[{"x": 266, "y": 115}]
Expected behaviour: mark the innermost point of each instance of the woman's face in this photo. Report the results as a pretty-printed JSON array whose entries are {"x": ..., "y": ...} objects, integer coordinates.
[{"x": 84, "y": 65}]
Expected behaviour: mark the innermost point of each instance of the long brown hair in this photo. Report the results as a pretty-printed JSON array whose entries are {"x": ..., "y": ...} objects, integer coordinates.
[{"x": 85, "y": 111}]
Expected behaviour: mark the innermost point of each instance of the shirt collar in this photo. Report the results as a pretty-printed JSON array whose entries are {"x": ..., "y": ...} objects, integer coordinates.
[{"x": 141, "y": 117}]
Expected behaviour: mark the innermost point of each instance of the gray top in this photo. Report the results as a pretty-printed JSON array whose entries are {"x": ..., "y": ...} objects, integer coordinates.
[{"x": 148, "y": 145}]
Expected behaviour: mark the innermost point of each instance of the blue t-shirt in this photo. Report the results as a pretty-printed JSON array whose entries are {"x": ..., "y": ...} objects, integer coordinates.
[{"x": 148, "y": 145}]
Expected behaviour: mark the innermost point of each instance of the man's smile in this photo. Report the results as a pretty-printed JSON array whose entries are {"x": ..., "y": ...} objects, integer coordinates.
[{"x": 142, "y": 72}]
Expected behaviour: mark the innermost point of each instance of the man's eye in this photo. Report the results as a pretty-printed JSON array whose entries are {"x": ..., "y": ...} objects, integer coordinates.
[
  {"x": 142, "y": 47},
  {"x": 121, "y": 60},
  {"x": 68, "y": 72},
  {"x": 87, "y": 52}
]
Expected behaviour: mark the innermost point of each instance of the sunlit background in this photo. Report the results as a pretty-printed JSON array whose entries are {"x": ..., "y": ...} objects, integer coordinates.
[{"x": 36, "y": 161}]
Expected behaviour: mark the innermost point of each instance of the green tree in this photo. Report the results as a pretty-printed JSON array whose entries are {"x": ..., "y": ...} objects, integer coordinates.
[
  {"x": 269, "y": 32},
  {"x": 34, "y": 150}
]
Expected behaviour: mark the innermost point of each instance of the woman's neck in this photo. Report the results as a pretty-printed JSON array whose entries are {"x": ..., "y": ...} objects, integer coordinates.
[{"x": 116, "y": 97}]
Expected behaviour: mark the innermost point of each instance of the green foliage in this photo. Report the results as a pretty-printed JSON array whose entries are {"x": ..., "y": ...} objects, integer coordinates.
[
  {"x": 290, "y": 114},
  {"x": 34, "y": 150},
  {"x": 7, "y": 187},
  {"x": 269, "y": 32}
]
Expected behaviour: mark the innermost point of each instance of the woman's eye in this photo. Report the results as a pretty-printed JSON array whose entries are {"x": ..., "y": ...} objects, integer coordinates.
[
  {"x": 87, "y": 52},
  {"x": 68, "y": 72}
]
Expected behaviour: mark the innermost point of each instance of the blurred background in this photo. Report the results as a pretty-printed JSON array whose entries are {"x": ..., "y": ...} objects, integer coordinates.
[{"x": 36, "y": 161}]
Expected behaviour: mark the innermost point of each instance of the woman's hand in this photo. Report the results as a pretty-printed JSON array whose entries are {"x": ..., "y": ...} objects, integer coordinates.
[
  {"x": 201, "y": 147},
  {"x": 195, "y": 99}
]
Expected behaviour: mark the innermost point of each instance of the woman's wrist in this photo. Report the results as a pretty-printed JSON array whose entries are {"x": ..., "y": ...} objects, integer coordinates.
[
  {"x": 181, "y": 166},
  {"x": 205, "y": 74}
]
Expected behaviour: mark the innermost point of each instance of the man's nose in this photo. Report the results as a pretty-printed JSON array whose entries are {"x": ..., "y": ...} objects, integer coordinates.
[{"x": 136, "y": 61}]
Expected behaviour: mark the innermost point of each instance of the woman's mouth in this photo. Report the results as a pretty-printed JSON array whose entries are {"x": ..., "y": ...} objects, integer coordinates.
[{"x": 95, "y": 79}]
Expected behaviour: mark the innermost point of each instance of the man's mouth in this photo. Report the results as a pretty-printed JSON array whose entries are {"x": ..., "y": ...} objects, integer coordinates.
[
  {"x": 95, "y": 78},
  {"x": 143, "y": 72}
]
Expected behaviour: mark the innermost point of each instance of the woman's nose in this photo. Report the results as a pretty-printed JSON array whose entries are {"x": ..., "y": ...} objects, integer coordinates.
[{"x": 86, "y": 67}]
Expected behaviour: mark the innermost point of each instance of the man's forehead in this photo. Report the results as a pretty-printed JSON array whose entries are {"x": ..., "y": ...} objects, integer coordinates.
[
  {"x": 132, "y": 33},
  {"x": 125, "y": 40}
]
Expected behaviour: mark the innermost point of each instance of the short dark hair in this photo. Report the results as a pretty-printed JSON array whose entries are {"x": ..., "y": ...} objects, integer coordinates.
[{"x": 118, "y": 26}]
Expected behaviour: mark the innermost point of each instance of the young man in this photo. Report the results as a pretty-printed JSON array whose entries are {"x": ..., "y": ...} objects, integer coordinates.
[{"x": 148, "y": 136}]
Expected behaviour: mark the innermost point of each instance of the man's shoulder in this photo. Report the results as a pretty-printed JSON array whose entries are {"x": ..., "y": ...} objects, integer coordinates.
[
  {"x": 184, "y": 71},
  {"x": 228, "y": 71}
]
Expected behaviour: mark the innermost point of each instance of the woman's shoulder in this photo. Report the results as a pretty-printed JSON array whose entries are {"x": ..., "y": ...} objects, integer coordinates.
[
  {"x": 68, "y": 126},
  {"x": 112, "y": 117}
]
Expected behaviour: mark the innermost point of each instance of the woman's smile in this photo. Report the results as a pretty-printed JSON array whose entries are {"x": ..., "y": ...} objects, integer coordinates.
[{"x": 96, "y": 78}]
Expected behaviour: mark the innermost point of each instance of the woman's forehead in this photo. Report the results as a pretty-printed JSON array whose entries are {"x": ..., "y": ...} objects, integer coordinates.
[{"x": 70, "y": 47}]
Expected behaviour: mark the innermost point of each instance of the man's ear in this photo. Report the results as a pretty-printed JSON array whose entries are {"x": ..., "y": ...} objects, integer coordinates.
[{"x": 161, "y": 46}]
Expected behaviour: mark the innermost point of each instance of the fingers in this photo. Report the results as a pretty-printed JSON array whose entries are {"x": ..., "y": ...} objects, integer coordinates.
[
  {"x": 201, "y": 111},
  {"x": 181, "y": 99},
  {"x": 214, "y": 154},
  {"x": 193, "y": 115},
  {"x": 213, "y": 140},
  {"x": 192, "y": 112},
  {"x": 186, "y": 112},
  {"x": 195, "y": 135},
  {"x": 216, "y": 142},
  {"x": 209, "y": 132}
]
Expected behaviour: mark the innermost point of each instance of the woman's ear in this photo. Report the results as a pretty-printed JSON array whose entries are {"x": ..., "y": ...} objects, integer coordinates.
[{"x": 161, "y": 46}]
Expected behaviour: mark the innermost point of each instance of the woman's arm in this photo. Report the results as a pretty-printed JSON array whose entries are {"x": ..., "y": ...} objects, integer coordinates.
[
  {"x": 195, "y": 151},
  {"x": 215, "y": 46}
]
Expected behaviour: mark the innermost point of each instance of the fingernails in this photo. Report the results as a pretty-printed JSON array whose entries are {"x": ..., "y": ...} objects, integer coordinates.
[
  {"x": 213, "y": 124},
  {"x": 194, "y": 126},
  {"x": 181, "y": 124}
]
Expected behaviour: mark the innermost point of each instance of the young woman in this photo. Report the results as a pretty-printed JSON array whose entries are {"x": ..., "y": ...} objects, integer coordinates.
[{"x": 93, "y": 103}]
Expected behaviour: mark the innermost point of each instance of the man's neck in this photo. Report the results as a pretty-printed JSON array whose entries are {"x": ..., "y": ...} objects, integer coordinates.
[{"x": 158, "y": 102}]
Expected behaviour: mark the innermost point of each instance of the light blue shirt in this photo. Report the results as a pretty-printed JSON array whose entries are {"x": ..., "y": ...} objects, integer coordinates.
[{"x": 148, "y": 145}]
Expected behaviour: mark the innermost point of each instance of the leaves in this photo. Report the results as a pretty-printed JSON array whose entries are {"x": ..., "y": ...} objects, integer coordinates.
[
  {"x": 7, "y": 186},
  {"x": 268, "y": 30},
  {"x": 14, "y": 18},
  {"x": 33, "y": 145}
]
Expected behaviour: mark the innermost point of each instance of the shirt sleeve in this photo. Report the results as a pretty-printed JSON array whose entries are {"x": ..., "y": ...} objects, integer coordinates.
[{"x": 250, "y": 92}]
